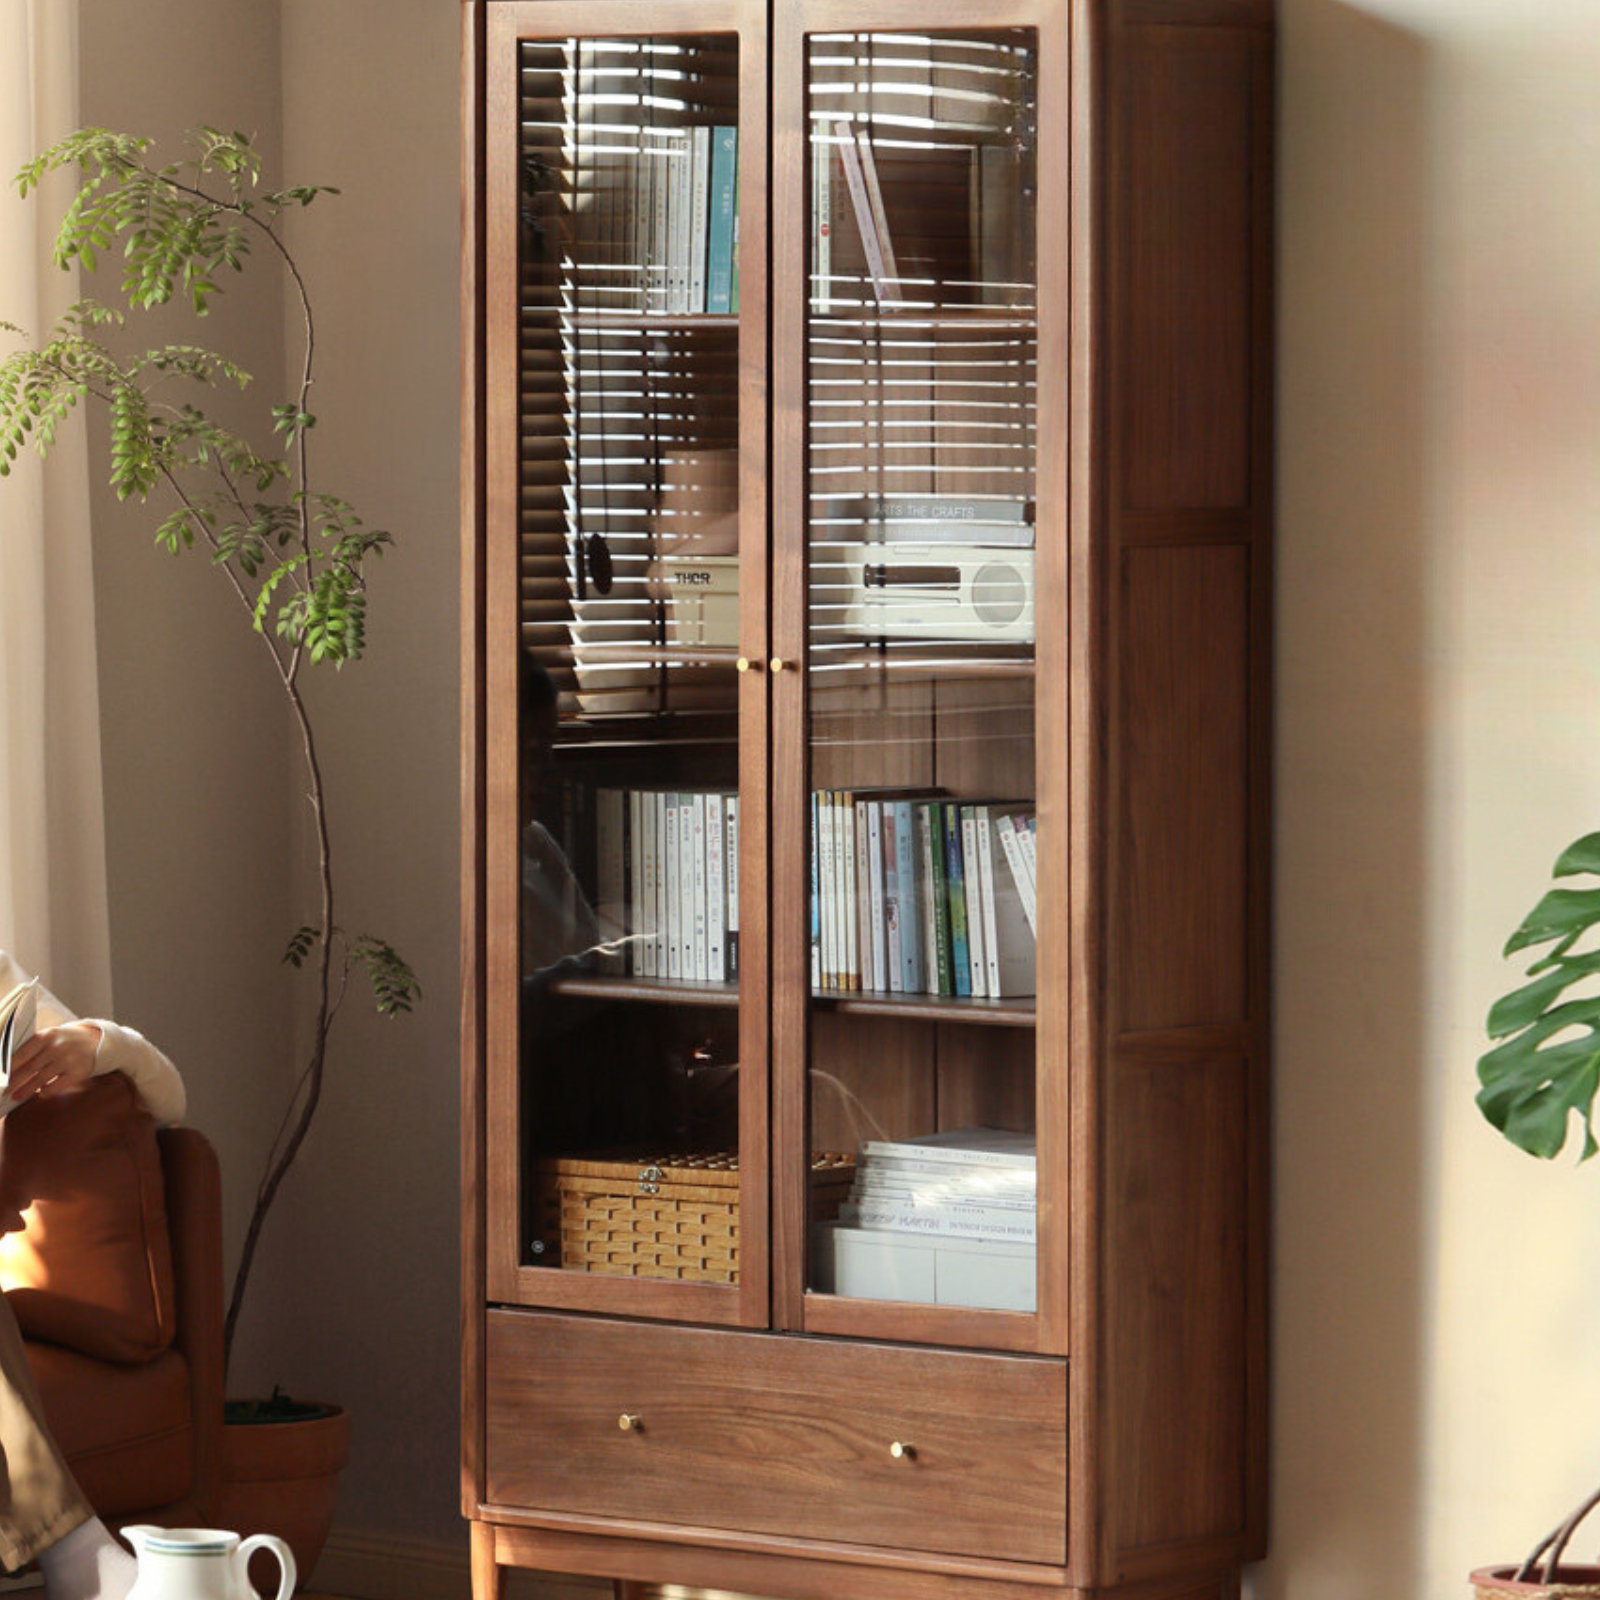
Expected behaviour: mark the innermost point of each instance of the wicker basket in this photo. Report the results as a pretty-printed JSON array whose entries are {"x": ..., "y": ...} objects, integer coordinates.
[{"x": 672, "y": 1216}]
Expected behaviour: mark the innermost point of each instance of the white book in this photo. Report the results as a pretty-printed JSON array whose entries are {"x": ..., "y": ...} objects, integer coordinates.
[
  {"x": 716, "y": 895},
  {"x": 1010, "y": 1186},
  {"x": 821, "y": 220},
  {"x": 972, "y": 1147},
  {"x": 647, "y": 927},
  {"x": 610, "y": 890},
  {"x": 816, "y": 895},
  {"x": 682, "y": 218},
  {"x": 847, "y": 891},
  {"x": 829, "y": 928},
  {"x": 660, "y": 181},
  {"x": 868, "y": 973},
  {"x": 946, "y": 1222},
  {"x": 1028, "y": 838},
  {"x": 702, "y": 889},
  {"x": 1016, "y": 955},
  {"x": 700, "y": 202},
  {"x": 882, "y": 966},
  {"x": 731, "y": 842},
  {"x": 889, "y": 288},
  {"x": 1011, "y": 847},
  {"x": 856, "y": 183},
  {"x": 928, "y": 887},
  {"x": 686, "y": 853},
  {"x": 663, "y": 931},
  {"x": 894, "y": 949},
  {"x": 674, "y": 901},
  {"x": 635, "y": 860},
  {"x": 977, "y": 963},
  {"x": 986, "y": 864}
]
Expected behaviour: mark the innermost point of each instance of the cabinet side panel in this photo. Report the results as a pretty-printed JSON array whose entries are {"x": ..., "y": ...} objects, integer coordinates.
[
  {"x": 1181, "y": 954},
  {"x": 472, "y": 929},
  {"x": 1176, "y": 1330},
  {"x": 1186, "y": 105}
]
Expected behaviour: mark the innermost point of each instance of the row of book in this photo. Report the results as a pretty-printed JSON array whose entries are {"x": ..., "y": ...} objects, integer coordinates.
[
  {"x": 662, "y": 230},
  {"x": 915, "y": 893},
  {"x": 667, "y": 882}
]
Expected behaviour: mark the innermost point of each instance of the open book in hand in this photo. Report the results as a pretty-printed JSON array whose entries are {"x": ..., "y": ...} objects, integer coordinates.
[{"x": 17, "y": 1014}]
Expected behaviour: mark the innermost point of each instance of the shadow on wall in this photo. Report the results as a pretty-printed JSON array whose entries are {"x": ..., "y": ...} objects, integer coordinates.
[{"x": 1351, "y": 776}]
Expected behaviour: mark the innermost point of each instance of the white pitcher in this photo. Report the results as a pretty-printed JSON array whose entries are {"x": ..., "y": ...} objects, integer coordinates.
[{"x": 201, "y": 1564}]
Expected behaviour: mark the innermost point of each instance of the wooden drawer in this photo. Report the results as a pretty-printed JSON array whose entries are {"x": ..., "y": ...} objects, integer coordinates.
[{"x": 790, "y": 1436}]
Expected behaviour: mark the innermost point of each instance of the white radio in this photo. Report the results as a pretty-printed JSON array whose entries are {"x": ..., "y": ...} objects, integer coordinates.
[{"x": 939, "y": 591}]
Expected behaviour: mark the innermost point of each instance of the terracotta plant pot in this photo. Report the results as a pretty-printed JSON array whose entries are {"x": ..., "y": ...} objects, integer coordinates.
[
  {"x": 283, "y": 1478},
  {"x": 1570, "y": 1583}
]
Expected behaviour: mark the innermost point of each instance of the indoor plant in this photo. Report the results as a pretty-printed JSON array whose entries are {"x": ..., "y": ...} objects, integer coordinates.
[
  {"x": 1545, "y": 1067},
  {"x": 291, "y": 553}
]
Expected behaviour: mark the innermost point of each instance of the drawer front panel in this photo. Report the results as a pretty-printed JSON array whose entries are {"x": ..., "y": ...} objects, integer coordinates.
[{"x": 767, "y": 1434}]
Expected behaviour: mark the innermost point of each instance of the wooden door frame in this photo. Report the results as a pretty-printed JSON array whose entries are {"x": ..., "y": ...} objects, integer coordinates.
[
  {"x": 1057, "y": 572},
  {"x": 506, "y": 1280}
]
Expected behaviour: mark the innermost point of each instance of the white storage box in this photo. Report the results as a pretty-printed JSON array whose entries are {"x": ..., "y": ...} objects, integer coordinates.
[{"x": 874, "y": 1264}]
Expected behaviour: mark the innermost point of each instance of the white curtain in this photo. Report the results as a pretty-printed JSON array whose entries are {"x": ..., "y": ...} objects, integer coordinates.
[{"x": 53, "y": 913}]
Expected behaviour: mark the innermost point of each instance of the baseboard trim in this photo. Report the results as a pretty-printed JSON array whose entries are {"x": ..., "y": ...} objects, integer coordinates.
[{"x": 380, "y": 1566}]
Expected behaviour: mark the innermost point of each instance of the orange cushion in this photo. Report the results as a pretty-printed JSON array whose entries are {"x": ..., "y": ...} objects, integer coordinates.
[
  {"x": 127, "y": 1432},
  {"x": 93, "y": 1268}
]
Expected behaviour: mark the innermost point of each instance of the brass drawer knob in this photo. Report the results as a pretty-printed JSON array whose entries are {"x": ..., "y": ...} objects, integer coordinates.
[
  {"x": 903, "y": 1452},
  {"x": 743, "y": 663},
  {"x": 630, "y": 1422},
  {"x": 777, "y": 663}
]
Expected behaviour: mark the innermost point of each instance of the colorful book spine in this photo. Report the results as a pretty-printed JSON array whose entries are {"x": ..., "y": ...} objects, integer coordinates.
[
  {"x": 865, "y": 934},
  {"x": 908, "y": 887},
  {"x": 719, "y": 233},
  {"x": 930, "y": 827},
  {"x": 961, "y": 972},
  {"x": 976, "y": 955}
]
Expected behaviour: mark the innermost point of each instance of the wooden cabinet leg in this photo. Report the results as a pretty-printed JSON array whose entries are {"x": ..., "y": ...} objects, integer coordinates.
[{"x": 488, "y": 1576}]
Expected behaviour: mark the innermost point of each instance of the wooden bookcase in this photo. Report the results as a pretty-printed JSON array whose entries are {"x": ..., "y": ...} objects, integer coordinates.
[{"x": 1003, "y": 267}]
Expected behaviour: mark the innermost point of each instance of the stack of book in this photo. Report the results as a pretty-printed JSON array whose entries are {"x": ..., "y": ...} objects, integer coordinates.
[
  {"x": 950, "y": 1219},
  {"x": 660, "y": 227},
  {"x": 914, "y": 893},
  {"x": 666, "y": 876}
]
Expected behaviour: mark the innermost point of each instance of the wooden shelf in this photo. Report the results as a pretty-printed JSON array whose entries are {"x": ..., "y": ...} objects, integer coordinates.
[{"x": 917, "y": 1007}]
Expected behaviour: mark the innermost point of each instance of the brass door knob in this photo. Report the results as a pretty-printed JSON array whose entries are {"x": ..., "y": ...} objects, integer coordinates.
[
  {"x": 902, "y": 1452},
  {"x": 777, "y": 663},
  {"x": 630, "y": 1422},
  {"x": 743, "y": 663}
]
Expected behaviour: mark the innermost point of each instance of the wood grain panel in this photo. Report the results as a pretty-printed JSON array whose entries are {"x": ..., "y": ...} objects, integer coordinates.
[
  {"x": 472, "y": 733},
  {"x": 750, "y": 1565},
  {"x": 1186, "y": 109},
  {"x": 987, "y": 1078},
  {"x": 1176, "y": 1337},
  {"x": 1183, "y": 718},
  {"x": 767, "y": 1434}
]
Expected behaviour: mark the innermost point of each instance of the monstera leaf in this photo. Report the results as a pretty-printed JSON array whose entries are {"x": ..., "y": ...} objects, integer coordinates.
[{"x": 1549, "y": 1063}]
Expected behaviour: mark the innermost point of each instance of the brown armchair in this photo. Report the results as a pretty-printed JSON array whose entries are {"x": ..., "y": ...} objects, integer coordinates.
[{"x": 116, "y": 1280}]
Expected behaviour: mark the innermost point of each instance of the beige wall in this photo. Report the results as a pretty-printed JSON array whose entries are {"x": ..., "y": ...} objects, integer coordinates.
[
  {"x": 1438, "y": 1320},
  {"x": 1438, "y": 1397},
  {"x": 195, "y": 745}
]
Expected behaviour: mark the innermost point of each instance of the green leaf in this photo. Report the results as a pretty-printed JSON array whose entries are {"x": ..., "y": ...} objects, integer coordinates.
[
  {"x": 1581, "y": 856},
  {"x": 1561, "y": 913}
]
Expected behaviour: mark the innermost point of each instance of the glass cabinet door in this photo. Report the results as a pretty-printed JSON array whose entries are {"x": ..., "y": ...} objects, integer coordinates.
[
  {"x": 919, "y": 629},
  {"x": 627, "y": 576}
]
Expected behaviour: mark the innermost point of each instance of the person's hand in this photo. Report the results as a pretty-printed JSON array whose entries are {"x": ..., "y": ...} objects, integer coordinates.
[{"x": 55, "y": 1061}]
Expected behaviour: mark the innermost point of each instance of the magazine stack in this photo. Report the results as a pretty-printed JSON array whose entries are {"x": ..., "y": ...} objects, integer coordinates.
[{"x": 949, "y": 1219}]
